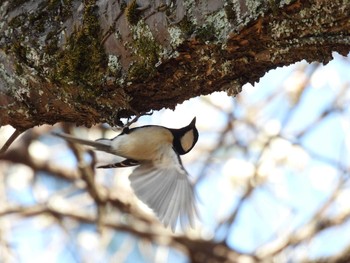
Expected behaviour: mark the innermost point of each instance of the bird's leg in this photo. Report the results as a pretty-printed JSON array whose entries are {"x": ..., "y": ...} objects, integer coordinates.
[
  {"x": 121, "y": 125},
  {"x": 137, "y": 116}
]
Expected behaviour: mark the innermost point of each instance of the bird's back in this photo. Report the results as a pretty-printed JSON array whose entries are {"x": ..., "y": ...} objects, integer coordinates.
[{"x": 142, "y": 144}]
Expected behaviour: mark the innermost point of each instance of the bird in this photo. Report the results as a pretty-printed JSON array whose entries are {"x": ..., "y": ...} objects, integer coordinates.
[{"x": 160, "y": 179}]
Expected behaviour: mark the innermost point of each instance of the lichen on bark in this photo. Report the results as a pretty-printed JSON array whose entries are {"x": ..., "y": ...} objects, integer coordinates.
[{"x": 83, "y": 61}]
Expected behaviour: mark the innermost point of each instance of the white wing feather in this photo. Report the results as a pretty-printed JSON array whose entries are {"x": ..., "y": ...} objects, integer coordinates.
[{"x": 164, "y": 186}]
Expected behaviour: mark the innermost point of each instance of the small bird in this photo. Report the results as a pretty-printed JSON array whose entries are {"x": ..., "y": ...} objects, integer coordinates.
[{"x": 160, "y": 180}]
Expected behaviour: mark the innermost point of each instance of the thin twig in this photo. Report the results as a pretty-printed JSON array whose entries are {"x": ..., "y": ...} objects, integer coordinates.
[{"x": 12, "y": 138}]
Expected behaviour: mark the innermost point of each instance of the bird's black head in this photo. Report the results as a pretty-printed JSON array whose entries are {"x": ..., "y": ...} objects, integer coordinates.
[{"x": 185, "y": 138}]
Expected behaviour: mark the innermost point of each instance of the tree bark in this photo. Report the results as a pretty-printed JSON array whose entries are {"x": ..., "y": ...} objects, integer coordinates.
[{"x": 92, "y": 61}]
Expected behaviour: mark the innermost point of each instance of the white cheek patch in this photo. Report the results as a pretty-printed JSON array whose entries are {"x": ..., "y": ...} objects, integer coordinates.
[{"x": 187, "y": 140}]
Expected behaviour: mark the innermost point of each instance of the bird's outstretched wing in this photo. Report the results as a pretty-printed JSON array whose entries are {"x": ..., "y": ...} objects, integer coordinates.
[
  {"x": 100, "y": 145},
  {"x": 164, "y": 186}
]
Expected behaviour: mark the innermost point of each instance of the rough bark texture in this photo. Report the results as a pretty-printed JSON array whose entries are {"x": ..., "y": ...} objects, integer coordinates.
[{"x": 92, "y": 61}]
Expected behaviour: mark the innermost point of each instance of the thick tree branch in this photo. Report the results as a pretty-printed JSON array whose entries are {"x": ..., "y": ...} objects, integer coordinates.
[{"x": 95, "y": 62}]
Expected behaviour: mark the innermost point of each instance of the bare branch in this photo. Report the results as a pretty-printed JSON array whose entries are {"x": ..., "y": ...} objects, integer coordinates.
[{"x": 12, "y": 138}]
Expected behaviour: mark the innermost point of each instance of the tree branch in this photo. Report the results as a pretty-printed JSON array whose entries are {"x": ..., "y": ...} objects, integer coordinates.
[{"x": 10, "y": 140}]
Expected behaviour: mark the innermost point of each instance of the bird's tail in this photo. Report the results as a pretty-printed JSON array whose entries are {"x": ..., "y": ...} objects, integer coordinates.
[{"x": 100, "y": 145}]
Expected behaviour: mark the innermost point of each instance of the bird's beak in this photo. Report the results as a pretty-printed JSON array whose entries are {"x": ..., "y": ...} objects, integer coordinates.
[{"x": 193, "y": 122}]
